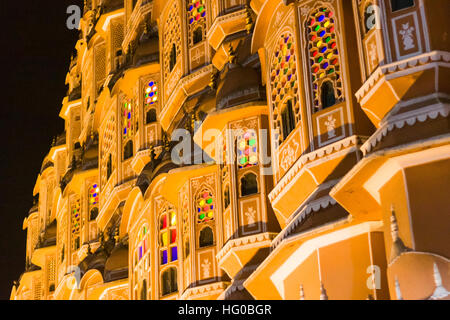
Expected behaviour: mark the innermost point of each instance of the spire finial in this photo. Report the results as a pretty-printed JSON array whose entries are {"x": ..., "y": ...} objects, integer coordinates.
[
  {"x": 394, "y": 225},
  {"x": 323, "y": 292},
  {"x": 302, "y": 293},
  {"x": 398, "y": 292},
  {"x": 440, "y": 292}
]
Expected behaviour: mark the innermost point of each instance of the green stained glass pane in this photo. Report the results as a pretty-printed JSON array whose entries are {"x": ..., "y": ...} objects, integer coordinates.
[
  {"x": 317, "y": 28},
  {"x": 252, "y": 142},
  {"x": 243, "y": 160},
  {"x": 202, "y": 216},
  {"x": 209, "y": 201}
]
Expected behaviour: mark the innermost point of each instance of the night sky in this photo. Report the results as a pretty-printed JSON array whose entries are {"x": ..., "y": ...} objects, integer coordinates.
[{"x": 35, "y": 55}]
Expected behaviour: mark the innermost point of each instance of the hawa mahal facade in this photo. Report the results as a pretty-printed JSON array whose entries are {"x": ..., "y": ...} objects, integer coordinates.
[{"x": 327, "y": 176}]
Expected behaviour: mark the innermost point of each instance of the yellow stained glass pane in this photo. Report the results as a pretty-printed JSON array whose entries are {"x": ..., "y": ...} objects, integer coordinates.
[
  {"x": 164, "y": 239},
  {"x": 173, "y": 219}
]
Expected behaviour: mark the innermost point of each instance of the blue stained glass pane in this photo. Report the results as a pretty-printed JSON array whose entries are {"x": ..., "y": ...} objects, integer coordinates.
[
  {"x": 212, "y": 207},
  {"x": 174, "y": 254},
  {"x": 140, "y": 253},
  {"x": 322, "y": 33},
  {"x": 199, "y": 210},
  {"x": 164, "y": 259},
  {"x": 322, "y": 50},
  {"x": 151, "y": 84},
  {"x": 191, "y": 7},
  {"x": 95, "y": 195},
  {"x": 125, "y": 131},
  {"x": 151, "y": 94},
  {"x": 321, "y": 18},
  {"x": 129, "y": 115},
  {"x": 95, "y": 186}
]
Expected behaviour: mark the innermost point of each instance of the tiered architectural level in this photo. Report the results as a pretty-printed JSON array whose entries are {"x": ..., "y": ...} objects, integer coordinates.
[{"x": 315, "y": 164}]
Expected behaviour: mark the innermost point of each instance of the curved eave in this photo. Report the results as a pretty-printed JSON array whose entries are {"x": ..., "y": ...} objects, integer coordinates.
[
  {"x": 134, "y": 198},
  {"x": 37, "y": 185},
  {"x": 127, "y": 83},
  {"x": 67, "y": 105},
  {"x": 40, "y": 254},
  {"x": 78, "y": 179},
  {"x": 263, "y": 22},
  {"x": 218, "y": 120},
  {"x": 103, "y": 22},
  {"x": 176, "y": 178}
]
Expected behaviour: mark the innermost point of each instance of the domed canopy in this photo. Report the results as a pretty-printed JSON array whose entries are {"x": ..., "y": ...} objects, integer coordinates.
[
  {"x": 116, "y": 266},
  {"x": 239, "y": 85}
]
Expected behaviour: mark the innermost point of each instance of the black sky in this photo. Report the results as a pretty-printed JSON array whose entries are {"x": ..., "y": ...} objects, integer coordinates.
[{"x": 35, "y": 55}]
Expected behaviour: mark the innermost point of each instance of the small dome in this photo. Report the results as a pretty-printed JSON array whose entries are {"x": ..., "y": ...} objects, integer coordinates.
[
  {"x": 116, "y": 266},
  {"x": 238, "y": 85}
]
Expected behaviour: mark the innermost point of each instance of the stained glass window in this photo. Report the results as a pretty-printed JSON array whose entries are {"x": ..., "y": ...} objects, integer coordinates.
[
  {"x": 127, "y": 122},
  {"x": 196, "y": 10},
  {"x": 128, "y": 129},
  {"x": 168, "y": 236},
  {"x": 323, "y": 54},
  {"x": 283, "y": 79},
  {"x": 76, "y": 224},
  {"x": 150, "y": 94},
  {"x": 247, "y": 149},
  {"x": 143, "y": 245},
  {"x": 205, "y": 206},
  {"x": 93, "y": 198}
]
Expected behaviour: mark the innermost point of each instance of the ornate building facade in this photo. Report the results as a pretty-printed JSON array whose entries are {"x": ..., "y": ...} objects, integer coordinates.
[{"x": 317, "y": 159}]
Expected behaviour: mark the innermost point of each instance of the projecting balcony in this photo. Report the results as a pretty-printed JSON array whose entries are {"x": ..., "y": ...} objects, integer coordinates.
[
  {"x": 140, "y": 12},
  {"x": 393, "y": 87}
]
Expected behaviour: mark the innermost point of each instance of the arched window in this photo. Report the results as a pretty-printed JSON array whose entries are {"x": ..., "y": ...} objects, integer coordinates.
[
  {"x": 108, "y": 146},
  {"x": 141, "y": 264},
  {"x": 172, "y": 37},
  {"x": 128, "y": 129},
  {"x": 249, "y": 185},
  {"x": 150, "y": 96},
  {"x": 288, "y": 119},
  {"x": 328, "y": 98},
  {"x": 283, "y": 81},
  {"x": 198, "y": 35},
  {"x": 109, "y": 167},
  {"x": 323, "y": 54},
  {"x": 128, "y": 150},
  {"x": 144, "y": 290},
  {"x": 93, "y": 214},
  {"x": 173, "y": 57},
  {"x": 93, "y": 196},
  {"x": 205, "y": 206},
  {"x": 151, "y": 116},
  {"x": 169, "y": 281},
  {"x": 196, "y": 10},
  {"x": 206, "y": 238},
  {"x": 397, "y": 5},
  {"x": 168, "y": 237},
  {"x": 226, "y": 197},
  {"x": 76, "y": 224},
  {"x": 247, "y": 149}
]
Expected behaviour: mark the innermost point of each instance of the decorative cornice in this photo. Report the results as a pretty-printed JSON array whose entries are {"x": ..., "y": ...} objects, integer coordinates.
[
  {"x": 434, "y": 56},
  {"x": 257, "y": 238},
  {"x": 310, "y": 157},
  {"x": 206, "y": 289},
  {"x": 408, "y": 118}
]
